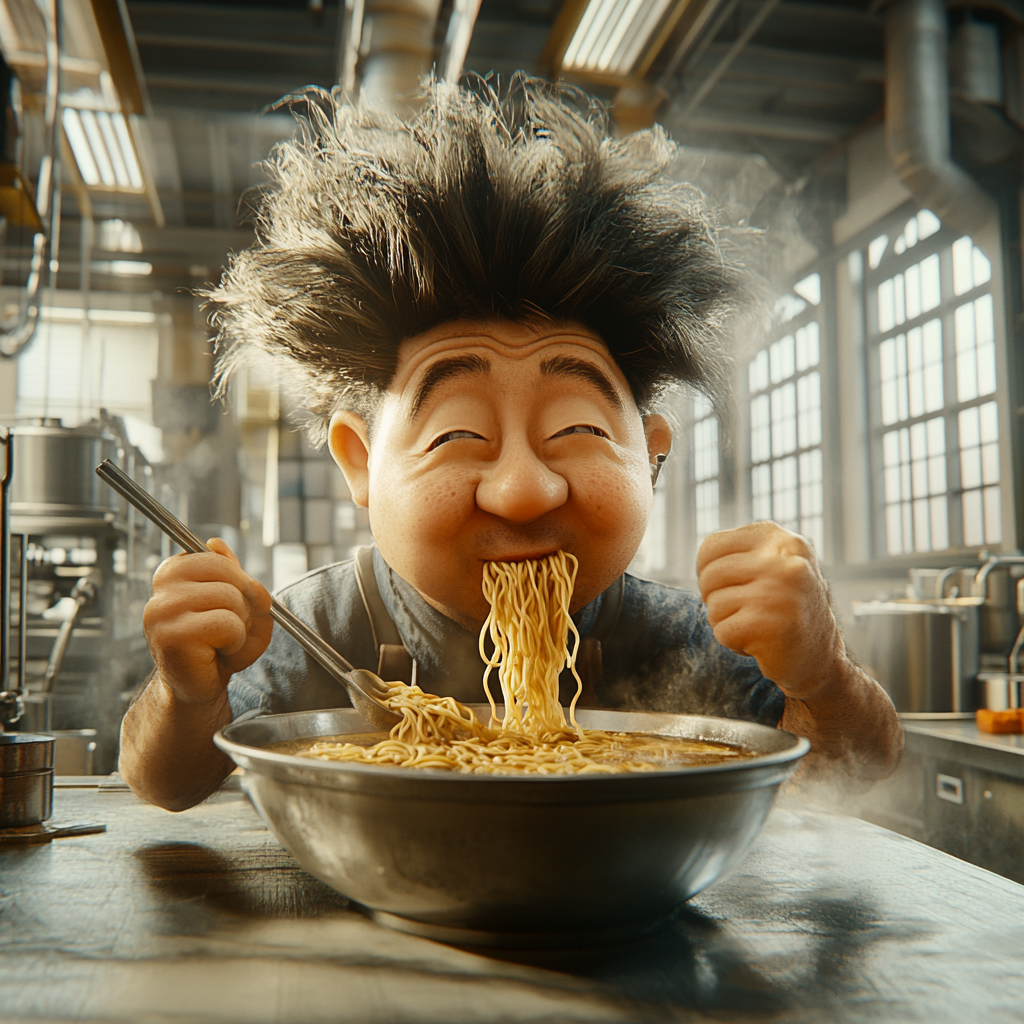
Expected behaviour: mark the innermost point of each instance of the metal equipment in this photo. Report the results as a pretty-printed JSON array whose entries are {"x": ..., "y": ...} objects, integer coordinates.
[
  {"x": 942, "y": 649},
  {"x": 89, "y": 563},
  {"x": 363, "y": 688},
  {"x": 528, "y": 861}
]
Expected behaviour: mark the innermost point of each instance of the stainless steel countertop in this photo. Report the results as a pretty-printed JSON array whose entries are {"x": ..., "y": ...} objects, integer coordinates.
[{"x": 966, "y": 731}]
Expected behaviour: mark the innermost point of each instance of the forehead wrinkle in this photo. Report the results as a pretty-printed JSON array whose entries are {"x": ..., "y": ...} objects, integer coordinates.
[
  {"x": 582, "y": 369},
  {"x": 444, "y": 370}
]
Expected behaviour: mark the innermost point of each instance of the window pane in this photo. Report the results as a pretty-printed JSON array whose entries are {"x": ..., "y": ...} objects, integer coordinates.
[
  {"x": 974, "y": 522},
  {"x": 706, "y": 497},
  {"x": 784, "y": 492},
  {"x": 988, "y": 415},
  {"x": 970, "y": 468},
  {"x": 930, "y": 288},
  {"x": 761, "y": 491},
  {"x": 939, "y": 523},
  {"x": 981, "y": 267},
  {"x": 912, "y": 284},
  {"x": 807, "y": 353},
  {"x": 932, "y": 364},
  {"x": 886, "y": 306},
  {"x": 705, "y": 448},
  {"x": 760, "y": 430},
  {"x": 876, "y": 250},
  {"x": 963, "y": 273},
  {"x": 812, "y": 499},
  {"x": 993, "y": 523},
  {"x": 783, "y": 419},
  {"x": 782, "y": 357},
  {"x": 893, "y": 530},
  {"x": 809, "y": 407},
  {"x": 922, "y": 526},
  {"x": 759, "y": 372},
  {"x": 927, "y": 224}
]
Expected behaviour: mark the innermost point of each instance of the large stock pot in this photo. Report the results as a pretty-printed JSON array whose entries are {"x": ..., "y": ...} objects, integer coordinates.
[{"x": 516, "y": 860}]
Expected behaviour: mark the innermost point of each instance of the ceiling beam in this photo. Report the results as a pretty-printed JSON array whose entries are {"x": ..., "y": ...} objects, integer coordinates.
[
  {"x": 251, "y": 86},
  {"x": 767, "y": 126},
  {"x": 220, "y": 44}
]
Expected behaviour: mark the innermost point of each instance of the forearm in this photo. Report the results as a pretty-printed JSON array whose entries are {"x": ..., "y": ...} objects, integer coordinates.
[
  {"x": 167, "y": 752},
  {"x": 852, "y": 725}
]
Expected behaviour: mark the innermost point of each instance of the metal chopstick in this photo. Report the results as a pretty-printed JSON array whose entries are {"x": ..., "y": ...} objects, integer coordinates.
[{"x": 312, "y": 643}]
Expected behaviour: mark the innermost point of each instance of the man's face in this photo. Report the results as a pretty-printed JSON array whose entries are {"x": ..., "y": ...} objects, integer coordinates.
[{"x": 499, "y": 442}]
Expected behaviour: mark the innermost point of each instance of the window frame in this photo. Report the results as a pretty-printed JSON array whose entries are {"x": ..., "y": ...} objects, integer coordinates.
[
  {"x": 819, "y": 313},
  {"x": 891, "y": 264}
]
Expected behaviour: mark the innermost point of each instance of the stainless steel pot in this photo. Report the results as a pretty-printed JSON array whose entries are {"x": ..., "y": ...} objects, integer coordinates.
[
  {"x": 26, "y": 779},
  {"x": 53, "y": 473},
  {"x": 521, "y": 860},
  {"x": 923, "y": 651}
]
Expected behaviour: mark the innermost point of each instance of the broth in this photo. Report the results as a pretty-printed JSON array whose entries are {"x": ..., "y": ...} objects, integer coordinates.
[{"x": 635, "y": 752}]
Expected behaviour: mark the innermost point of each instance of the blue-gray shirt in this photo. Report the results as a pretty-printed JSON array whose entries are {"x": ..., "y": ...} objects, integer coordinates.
[{"x": 661, "y": 655}]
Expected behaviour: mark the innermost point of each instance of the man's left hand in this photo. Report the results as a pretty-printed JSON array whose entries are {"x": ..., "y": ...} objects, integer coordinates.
[{"x": 765, "y": 597}]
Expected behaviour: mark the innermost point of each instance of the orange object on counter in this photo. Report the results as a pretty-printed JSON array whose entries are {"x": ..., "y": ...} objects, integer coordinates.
[{"x": 1000, "y": 721}]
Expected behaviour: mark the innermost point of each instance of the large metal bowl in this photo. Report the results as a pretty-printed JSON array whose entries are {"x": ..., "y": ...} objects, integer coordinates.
[{"x": 514, "y": 860}]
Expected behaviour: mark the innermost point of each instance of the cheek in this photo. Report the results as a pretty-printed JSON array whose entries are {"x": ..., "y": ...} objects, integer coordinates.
[
  {"x": 416, "y": 509},
  {"x": 614, "y": 500}
]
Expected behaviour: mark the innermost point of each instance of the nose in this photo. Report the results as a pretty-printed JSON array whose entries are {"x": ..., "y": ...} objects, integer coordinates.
[{"x": 519, "y": 487}]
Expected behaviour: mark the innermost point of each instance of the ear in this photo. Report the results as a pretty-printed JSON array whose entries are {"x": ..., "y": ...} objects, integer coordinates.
[
  {"x": 659, "y": 436},
  {"x": 349, "y": 443}
]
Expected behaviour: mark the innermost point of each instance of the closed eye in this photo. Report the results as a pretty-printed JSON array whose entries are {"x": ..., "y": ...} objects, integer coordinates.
[
  {"x": 452, "y": 435},
  {"x": 581, "y": 428}
]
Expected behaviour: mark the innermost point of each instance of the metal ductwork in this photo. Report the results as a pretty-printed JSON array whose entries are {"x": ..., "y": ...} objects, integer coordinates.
[
  {"x": 917, "y": 116},
  {"x": 396, "y": 49}
]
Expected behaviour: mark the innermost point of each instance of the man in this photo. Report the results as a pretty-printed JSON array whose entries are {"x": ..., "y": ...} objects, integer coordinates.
[{"x": 480, "y": 308}]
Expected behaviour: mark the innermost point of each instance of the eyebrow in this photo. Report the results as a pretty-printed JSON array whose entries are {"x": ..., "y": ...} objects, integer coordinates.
[
  {"x": 570, "y": 366},
  {"x": 445, "y": 370}
]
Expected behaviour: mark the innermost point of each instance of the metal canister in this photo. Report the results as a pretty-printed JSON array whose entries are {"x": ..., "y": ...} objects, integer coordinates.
[
  {"x": 26, "y": 779},
  {"x": 54, "y": 475},
  {"x": 1000, "y": 691}
]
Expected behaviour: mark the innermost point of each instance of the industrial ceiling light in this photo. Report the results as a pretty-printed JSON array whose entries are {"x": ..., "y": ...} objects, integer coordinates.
[
  {"x": 612, "y": 36},
  {"x": 616, "y": 42},
  {"x": 102, "y": 146}
]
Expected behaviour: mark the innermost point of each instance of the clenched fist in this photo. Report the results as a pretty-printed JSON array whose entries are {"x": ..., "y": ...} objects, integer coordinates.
[
  {"x": 206, "y": 620},
  {"x": 765, "y": 597}
]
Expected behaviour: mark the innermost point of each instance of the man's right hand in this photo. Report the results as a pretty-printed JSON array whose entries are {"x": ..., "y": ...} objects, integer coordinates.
[{"x": 206, "y": 620}]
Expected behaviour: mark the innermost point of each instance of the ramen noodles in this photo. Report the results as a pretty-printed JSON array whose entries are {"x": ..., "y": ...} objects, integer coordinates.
[{"x": 529, "y": 626}]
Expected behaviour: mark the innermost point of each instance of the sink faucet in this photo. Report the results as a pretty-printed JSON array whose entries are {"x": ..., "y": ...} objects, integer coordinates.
[{"x": 980, "y": 586}]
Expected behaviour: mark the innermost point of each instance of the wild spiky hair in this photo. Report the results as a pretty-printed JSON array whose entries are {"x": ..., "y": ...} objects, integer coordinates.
[{"x": 374, "y": 229}]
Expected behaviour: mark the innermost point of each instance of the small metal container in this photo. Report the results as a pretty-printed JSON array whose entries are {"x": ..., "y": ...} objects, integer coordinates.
[
  {"x": 1000, "y": 691},
  {"x": 26, "y": 779}
]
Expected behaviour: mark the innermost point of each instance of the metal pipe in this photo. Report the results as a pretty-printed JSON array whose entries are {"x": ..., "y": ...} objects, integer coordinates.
[
  {"x": 980, "y": 585},
  {"x": 5, "y": 556},
  {"x": 22, "y": 611},
  {"x": 14, "y": 339},
  {"x": 82, "y": 593},
  {"x": 917, "y": 116},
  {"x": 397, "y": 48}
]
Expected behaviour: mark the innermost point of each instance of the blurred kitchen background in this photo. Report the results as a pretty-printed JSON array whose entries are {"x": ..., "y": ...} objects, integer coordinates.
[{"x": 868, "y": 155}]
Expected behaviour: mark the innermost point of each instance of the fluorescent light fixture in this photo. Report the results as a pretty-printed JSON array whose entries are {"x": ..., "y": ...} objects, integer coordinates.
[
  {"x": 612, "y": 34},
  {"x": 103, "y": 149},
  {"x": 130, "y": 268},
  {"x": 80, "y": 147},
  {"x": 73, "y": 315}
]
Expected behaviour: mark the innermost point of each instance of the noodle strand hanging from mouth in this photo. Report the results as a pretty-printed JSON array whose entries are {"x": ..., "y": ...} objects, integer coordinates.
[{"x": 529, "y": 625}]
